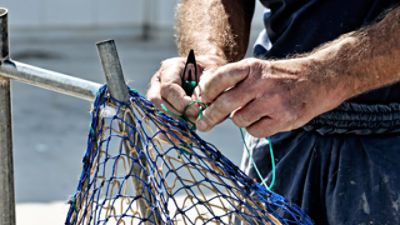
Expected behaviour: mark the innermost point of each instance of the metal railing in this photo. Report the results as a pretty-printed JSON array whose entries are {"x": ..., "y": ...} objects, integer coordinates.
[{"x": 65, "y": 84}]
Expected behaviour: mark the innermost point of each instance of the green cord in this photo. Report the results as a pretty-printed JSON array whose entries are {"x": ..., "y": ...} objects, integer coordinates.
[
  {"x": 169, "y": 112},
  {"x": 184, "y": 118},
  {"x": 200, "y": 108},
  {"x": 271, "y": 152},
  {"x": 254, "y": 163}
]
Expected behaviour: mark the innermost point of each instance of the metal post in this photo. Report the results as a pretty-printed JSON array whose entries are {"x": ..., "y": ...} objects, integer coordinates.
[
  {"x": 7, "y": 194},
  {"x": 148, "y": 16},
  {"x": 118, "y": 90}
]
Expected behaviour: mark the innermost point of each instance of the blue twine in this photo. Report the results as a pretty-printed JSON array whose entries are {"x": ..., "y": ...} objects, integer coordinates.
[{"x": 102, "y": 176}]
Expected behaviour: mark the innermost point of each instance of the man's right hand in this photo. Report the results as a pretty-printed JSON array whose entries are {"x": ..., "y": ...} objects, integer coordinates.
[{"x": 166, "y": 85}]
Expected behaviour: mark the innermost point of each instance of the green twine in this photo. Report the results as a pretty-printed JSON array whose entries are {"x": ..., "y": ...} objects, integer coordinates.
[
  {"x": 254, "y": 163},
  {"x": 200, "y": 108},
  {"x": 184, "y": 117}
]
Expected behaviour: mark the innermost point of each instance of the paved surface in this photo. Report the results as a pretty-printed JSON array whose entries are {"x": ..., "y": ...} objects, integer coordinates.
[{"x": 50, "y": 129}]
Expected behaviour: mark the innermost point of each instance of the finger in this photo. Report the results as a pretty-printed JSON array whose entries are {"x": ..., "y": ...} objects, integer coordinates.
[
  {"x": 212, "y": 84},
  {"x": 168, "y": 108},
  {"x": 176, "y": 96},
  {"x": 264, "y": 127},
  {"x": 252, "y": 112},
  {"x": 154, "y": 96},
  {"x": 223, "y": 106},
  {"x": 153, "y": 93},
  {"x": 171, "y": 72}
]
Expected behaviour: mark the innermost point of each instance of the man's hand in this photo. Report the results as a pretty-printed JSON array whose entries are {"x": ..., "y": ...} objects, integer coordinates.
[
  {"x": 266, "y": 97},
  {"x": 218, "y": 32},
  {"x": 166, "y": 85}
]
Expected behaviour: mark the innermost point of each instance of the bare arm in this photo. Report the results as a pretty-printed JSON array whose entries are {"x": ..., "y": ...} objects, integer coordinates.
[
  {"x": 267, "y": 97},
  {"x": 365, "y": 59},
  {"x": 214, "y": 27}
]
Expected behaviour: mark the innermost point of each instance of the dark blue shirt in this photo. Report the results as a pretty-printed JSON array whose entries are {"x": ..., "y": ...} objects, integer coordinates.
[{"x": 298, "y": 26}]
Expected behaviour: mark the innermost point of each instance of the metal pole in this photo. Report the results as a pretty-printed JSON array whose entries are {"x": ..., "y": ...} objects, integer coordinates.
[
  {"x": 49, "y": 80},
  {"x": 7, "y": 193},
  {"x": 147, "y": 23},
  {"x": 118, "y": 90},
  {"x": 4, "y": 42}
]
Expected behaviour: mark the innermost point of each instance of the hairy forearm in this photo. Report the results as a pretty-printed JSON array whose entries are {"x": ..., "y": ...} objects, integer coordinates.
[
  {"x": 214, "y": 27},
  {"x": 362, "y": 60}
]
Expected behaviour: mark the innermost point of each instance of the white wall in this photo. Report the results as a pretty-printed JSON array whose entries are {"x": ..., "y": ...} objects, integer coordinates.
[{"x": 72, "y": 13}]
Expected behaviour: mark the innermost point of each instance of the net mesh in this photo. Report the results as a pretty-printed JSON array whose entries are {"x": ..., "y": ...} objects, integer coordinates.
[{"x": 143, "y": 167}]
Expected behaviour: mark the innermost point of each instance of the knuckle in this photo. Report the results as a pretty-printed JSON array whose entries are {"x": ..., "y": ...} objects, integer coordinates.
[
  {"x": 165, "y": 89},
  {"x": 253, "y": 62},
  {"x": 218, "y": 75},
  {"x": 255, "y": 65},
  {"x": 250, "y": 61}
]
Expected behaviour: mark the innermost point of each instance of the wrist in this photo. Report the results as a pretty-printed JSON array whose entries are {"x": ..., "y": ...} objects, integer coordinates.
[
  {"x": 216, "y": 59},
  {"x": 331, "y": 69},
  {"x": 321, "y": 84}
]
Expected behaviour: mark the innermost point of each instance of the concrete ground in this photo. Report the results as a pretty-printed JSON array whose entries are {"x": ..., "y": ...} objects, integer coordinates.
[{"x": 50, "y": 129}]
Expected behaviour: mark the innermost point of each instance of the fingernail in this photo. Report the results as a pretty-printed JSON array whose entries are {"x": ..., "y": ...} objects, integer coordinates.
[{"x": 201, "y": 125}]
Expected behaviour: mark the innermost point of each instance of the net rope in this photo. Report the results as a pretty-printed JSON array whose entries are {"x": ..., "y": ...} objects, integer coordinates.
[{"x": 143, "y": 167}]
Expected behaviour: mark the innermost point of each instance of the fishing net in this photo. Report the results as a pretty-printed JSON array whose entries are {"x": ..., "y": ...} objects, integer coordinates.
[{"x": 143, "y": 167}]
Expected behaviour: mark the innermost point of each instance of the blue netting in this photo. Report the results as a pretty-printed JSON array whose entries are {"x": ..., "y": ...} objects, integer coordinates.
[{"x": 161, "y": 172}]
